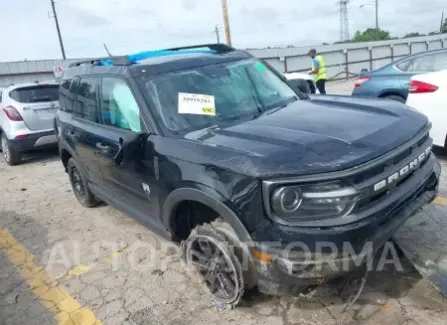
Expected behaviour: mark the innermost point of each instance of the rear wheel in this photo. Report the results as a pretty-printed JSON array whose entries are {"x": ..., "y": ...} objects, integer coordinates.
[
  {"x": 12, "y": 157},
  {"x": 80, "y": 185},
  {"x": 211, "y": 252},
  {"x": 397, "y": 98}
]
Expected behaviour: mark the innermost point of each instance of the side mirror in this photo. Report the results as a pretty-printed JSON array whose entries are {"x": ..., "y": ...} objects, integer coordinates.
[{"x": 131, "y": 147}]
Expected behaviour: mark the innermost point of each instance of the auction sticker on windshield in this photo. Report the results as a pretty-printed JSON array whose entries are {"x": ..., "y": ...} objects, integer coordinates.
[{"x": 196, "y": 104}]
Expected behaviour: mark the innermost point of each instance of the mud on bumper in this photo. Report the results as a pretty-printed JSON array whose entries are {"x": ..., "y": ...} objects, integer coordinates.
[{"x": 290, "y": 270}]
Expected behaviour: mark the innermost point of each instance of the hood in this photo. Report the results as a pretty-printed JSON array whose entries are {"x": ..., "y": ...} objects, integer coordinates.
[
  {"x": 327, "y": 134},
  {"x": 298, "y": 75}
]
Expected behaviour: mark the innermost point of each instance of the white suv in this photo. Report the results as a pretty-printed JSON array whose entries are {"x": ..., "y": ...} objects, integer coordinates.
[{"x": 27, "y": 114}]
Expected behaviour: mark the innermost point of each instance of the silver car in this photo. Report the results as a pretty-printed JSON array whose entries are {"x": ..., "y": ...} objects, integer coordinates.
[{"x": 27, "y": 114}]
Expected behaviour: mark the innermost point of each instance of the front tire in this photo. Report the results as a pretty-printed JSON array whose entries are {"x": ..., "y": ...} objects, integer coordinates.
[
  {"x": 211, "y": 252},
  {"x": 79, "y": 185},
  {"x": 12, "y": 157}
]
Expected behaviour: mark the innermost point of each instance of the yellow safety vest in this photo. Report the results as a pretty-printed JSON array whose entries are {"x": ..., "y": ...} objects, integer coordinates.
[{"x": 321, "y": 74}]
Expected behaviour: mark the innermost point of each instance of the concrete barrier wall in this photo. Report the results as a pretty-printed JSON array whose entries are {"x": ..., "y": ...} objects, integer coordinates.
[
  {"x": 342, "y": 59},
  {"x": 345, "y": 59},
  {"x": 29, "y": 71}
]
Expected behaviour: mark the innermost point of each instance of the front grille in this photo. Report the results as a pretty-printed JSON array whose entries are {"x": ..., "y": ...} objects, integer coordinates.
[
  {"x": 387, "y": 164},
  {"x": 369, "y": 200},
  {"x": 385, "y": 169}
]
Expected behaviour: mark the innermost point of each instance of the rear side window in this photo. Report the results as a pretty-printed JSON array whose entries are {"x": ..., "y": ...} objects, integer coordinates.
[
  {"x": 86, "y": 104},
  {"x": 35, "y": 94},
  {"x": 440, "y": 61},
  {"x": 404, "y": 66},
  {"x": 423, "y": 63},
  {"x": 66, "y": 97},
  {"x": 426, "y": 63}
]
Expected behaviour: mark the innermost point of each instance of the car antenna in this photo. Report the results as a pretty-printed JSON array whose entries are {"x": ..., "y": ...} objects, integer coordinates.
[{"x": 107, "y": 50}]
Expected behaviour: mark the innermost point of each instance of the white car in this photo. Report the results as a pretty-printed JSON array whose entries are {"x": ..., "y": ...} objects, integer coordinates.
[
  {"x": 428, "y": 95},
  {"x": 303, "y": 81},
  {"x": 27, "y": 113}
]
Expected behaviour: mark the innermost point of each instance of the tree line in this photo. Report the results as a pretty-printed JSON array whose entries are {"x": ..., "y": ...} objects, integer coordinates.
[{"x": 370, "y": 35}]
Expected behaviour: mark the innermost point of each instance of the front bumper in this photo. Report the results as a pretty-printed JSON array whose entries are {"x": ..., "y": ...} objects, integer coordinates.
[
  {"x": 34, "y": 141},
  {"x": 310, "y": 256}
]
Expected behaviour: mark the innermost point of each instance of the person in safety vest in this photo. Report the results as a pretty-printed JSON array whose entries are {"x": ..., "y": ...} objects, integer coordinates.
[{"x": 318, "y": 70}]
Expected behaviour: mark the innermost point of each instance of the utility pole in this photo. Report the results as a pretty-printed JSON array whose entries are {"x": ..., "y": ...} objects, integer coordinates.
[
  {"x": 377, "y": 19},
  {"x": 344, "y": 22},
  {"x": 217, "y": 34},
  {"x": 226, "y": 22},
  {"x": 58, "y": 29},
  {"x": 442, "y": 22}
]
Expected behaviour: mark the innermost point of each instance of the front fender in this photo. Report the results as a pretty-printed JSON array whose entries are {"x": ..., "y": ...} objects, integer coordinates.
[{"x": 208, "y": 197}]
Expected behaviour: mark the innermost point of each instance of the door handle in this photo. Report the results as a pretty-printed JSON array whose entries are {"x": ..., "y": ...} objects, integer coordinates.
[
  {"x": 71, "y": 133},
  {"x": 102, "y": 147}
]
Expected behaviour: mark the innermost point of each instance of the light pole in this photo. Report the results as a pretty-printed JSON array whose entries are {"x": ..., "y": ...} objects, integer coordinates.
[
  {"x": 226, "y": 21},
  {"x": 61, "y": 43},
  {"x": 376, "y": 4}
]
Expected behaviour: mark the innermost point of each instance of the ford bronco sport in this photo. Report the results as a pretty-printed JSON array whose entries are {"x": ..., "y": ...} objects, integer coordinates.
[{"x": 213, "y": 149}]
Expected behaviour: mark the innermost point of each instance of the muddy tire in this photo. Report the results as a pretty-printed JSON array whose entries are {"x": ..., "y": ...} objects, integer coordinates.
[
  {"x": 79, "y": 185},
  {"x": 214, "y": 254}
]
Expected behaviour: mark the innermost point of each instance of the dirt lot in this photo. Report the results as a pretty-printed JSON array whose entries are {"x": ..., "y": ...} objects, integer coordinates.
[{"x": 64, "y": 264}]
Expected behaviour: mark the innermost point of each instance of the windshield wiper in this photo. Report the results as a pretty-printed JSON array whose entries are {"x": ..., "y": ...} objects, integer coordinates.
[{"x": 287, "y": 103}]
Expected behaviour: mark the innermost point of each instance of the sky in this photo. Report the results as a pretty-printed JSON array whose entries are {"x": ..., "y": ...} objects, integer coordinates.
[{"x": 128, "y": 26}]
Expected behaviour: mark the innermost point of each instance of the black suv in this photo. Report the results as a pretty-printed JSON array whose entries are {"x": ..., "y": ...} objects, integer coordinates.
[{"x": 213, "y": 149}]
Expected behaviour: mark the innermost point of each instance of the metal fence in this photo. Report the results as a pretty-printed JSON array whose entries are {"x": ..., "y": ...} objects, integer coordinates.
[
  {"x": 342, "y": 59},
  {"x": 351, "y": 58}
]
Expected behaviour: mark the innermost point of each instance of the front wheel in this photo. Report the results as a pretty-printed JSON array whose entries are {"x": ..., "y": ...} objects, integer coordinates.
[
  {"x": 211, "y": 253},
  {"x": 12, "y": 157}
]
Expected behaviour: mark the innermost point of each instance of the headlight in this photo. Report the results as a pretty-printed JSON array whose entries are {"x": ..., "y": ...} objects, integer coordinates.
[
  {"x": 287, "y": 200},
  {"x": 309, "y": 202}
]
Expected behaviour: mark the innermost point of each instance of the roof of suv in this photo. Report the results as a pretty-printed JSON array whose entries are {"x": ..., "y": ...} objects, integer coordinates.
[{"x": 160, "y": 61}]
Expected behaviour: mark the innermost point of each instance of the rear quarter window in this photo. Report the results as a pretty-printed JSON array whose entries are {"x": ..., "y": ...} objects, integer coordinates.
[
  {"x": 67, "y": 95},
  {"x": 35, "y": 94}
]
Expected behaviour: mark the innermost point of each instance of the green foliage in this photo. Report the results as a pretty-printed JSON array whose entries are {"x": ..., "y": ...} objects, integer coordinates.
[
  {"x": 370, "y": 35},
  {"x": 444, "y": 26},
  {"x": 413, "y": 35}
]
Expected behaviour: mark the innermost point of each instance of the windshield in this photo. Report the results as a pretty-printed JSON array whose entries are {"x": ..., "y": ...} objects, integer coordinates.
[{"x": 210, "y": 95}]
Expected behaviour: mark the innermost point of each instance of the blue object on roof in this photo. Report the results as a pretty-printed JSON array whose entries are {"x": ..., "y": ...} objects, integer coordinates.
[{"x": 134, "y": 58}]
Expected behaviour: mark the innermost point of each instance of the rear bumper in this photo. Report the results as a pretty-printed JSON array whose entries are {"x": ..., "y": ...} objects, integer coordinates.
[
  {"x": 322, "y": 254},
  {"x": 34, "y": 141}
]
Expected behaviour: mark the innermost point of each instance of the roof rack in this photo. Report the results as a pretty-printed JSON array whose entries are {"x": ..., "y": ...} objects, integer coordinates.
[
  {"x": 129, "y": 59},
  {"x": 219, "y": 48},
  {"x": 116, "y": 60}
]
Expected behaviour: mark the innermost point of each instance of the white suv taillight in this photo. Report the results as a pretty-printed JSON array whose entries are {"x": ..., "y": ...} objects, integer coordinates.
[
  {"x": 419, "y": 87},
  {"x": 12, "y": 113}
]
